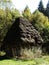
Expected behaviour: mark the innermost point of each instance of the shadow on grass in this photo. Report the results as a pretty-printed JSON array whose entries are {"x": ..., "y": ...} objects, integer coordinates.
[{"x": 4, "y": 58}]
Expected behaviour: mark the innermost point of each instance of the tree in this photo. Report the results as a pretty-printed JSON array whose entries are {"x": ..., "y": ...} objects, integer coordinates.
[
  {"x": 41, "y": 7},
  {"x": 2, "y": 22},
  {"x": 7, "y": 15},
  {"x": 41, "y": 23},
  {"x": 26, "y": 13},
  {"x": 5, "y": 3},
  {"x": 15, "y": 13},
  {"x": 47, "y": 9}
]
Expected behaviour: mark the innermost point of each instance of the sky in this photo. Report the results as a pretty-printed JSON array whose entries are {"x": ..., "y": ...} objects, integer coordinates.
[{"x": 32, "y": 4}]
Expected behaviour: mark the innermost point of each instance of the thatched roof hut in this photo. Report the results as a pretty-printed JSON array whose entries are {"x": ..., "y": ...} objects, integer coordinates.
[{"x": 21, "y": 34}]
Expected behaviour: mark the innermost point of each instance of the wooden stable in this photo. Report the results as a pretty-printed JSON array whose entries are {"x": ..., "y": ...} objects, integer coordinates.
[{"x": 21, "y": 34}]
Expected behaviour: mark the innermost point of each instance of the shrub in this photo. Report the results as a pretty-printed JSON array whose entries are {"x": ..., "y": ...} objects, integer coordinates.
[{"x": 28, "y": 54}]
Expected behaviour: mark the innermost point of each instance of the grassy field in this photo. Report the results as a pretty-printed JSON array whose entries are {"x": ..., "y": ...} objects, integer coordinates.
[{"x": 38, "y": 61}]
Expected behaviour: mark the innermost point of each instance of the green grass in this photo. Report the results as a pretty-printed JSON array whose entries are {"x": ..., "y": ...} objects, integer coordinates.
[
  {"x": 38, "y": 61},
  {"x": 12, "y": 62}
]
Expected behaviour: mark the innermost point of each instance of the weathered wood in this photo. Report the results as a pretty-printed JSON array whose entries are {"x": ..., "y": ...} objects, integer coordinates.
[
  {"x": 21, "y": 34},
  {"x": 13, "y": 52}
]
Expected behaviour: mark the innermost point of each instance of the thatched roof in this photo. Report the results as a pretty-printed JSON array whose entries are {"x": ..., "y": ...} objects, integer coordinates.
[{"x": 22, "y": 31}]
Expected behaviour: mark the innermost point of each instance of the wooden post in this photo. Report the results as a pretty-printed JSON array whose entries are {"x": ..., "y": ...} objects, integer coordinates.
[{"x": 13, "y": 52}]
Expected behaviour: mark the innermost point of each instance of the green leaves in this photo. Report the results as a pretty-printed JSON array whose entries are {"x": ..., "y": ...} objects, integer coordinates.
[
  {"x": 7, "y": 17},
  {"x": 15, "y": 13},
  {"x": 41, "y": 23},
  {"x": 26, "y": 13}
]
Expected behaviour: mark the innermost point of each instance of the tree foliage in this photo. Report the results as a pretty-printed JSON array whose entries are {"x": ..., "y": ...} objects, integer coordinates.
[
  {"x": 41, "y": 23},
  {"x": 41, "y": 7},
  {"x": 7, "y": 18},
  {"x": 47, "y": 10},
  {"x": 26, "y": 13},
  {"x": 43, "y": 10},
  {"x": 15, "y": 13}
]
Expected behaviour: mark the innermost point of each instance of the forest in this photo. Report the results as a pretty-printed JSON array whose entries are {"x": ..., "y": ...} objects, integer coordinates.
[{"x": 39, "y": 19}]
